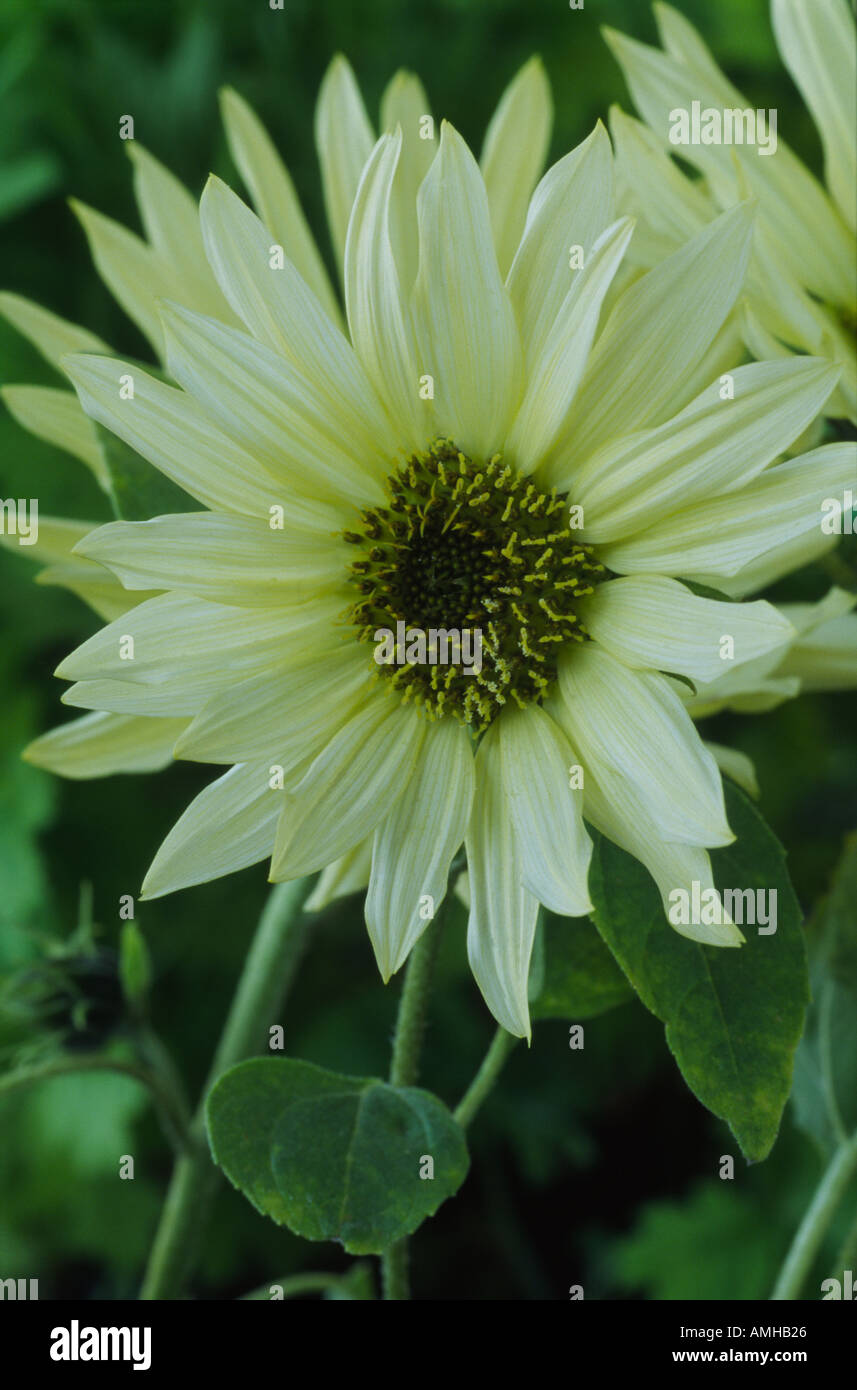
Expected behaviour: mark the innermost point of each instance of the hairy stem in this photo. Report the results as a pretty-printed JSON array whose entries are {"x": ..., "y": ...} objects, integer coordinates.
[
  {"x": 269, "y": 970},
  {"x": 404, "y": 1071}
]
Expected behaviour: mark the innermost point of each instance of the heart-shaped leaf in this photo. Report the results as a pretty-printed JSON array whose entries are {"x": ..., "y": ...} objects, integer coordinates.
[{"x": 335, "y": 1157}]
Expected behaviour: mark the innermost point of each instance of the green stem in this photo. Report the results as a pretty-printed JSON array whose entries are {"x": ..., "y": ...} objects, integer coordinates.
[
  {"x": 167, "y": 1096},
  {"x": 485, "y": 1079},
  {"x": 269, "y": 970},
  {"x": 847, "y": 1257},
  {"x": 295, "y": 1285},
  {"x": 404, "y": 1071},
  {"x": 395, "y": 1272},
  {"x": 812, "y": 1229},
  {"x": 413, "y": 1006}
]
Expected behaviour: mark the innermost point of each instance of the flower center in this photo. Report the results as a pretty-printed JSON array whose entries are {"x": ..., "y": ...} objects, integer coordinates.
[{"x": 475, "y": 551}]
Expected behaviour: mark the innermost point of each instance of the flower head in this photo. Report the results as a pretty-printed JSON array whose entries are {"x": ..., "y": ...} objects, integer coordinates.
[
  {"x": 801, "y": 291},
  {"x": 560, "y": 475}
]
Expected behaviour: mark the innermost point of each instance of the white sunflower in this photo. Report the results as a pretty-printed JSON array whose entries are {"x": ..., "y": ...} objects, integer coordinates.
[
  {"x": 801, "y": 291},
  {"x": 562, "y": 476}
]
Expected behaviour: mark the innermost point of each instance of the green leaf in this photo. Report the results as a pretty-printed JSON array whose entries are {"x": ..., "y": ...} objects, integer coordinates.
[
  {"x": 579, "y": 977},
  {"x": 135, "y": 965},
  {"x": 334, "y": 1157},
  {"x": 140, "y": 491},
  {"x": 698, "y": 1247},
  {"x": 733, "y": 1015},
  {"x": 825, "y": 1089}
]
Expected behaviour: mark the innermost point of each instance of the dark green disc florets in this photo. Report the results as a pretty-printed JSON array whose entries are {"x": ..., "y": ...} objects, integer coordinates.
[{"x": 470, "y": 545}]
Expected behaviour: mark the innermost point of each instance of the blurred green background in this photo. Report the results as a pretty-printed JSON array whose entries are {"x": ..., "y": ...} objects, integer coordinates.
[{"x": 597, "y": 1167}]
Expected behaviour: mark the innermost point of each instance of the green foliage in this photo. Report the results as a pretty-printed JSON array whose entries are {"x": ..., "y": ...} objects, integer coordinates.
[
  {"x": 27, "y": 800},
  {"x": 733, "y": 1016},
  {"x": 825, "y": 1089},
  {"x": 579, "y": 978},
  {"x": 334, "y": 1157},
  {"x": 28, "y": 170},
  {"x": 139, "y": 490},
  {"x": 699, "y": 1248},
  {"x": 135, "y": 965}
]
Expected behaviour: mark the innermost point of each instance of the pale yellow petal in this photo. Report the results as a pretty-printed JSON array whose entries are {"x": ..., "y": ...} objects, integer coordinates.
[
  {"x": 228, "y": 827},
  {"x": 99, "y": 745},
  {"x": 413, "y": 847},
  {"x": 465, "y": 326},
  {"x": 405, "y": 104},
  {"x": 513, "y": 156},
  {"x": 546, "y": 808},
  {"x": 273, "y": 193},
  {"x": 349, "y": 788},
  {"x": 344, "y": 140},
  {"x": 502, "y": 923}
]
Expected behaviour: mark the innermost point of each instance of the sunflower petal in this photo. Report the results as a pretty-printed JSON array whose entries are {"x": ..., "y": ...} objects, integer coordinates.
[
  {"x": 661, "y": 324},
  {"x": 555, "y": 374},
  {"x": 648, "y": 621},
  {"x": 349, "y": 788},
  {"x": 415, "y": 843},
  {"x": 513, "y": 156},
  {"x": 405, "y": 104},
  {"x": 818, "y": 44},
  {"x": 633, "y": 724},
  {"x": 350, "y": 874},
  {"x": 503, "y": 913},
  {"x": 344, "y": 140},
  {"x": 98, "y": 745},
  {"x": 281, "y": 416},
  {"x": 547, "y": 812},
  {"x": 52, "y": 336},
  {"x": 283, "y": 313},
  {"x": 716, "y": 444},
  {"x": 168, "y": 428},
  {"x": 722, "y": 535},
  {"x": 465, "y": 326},
  {"x": 228, "y": 827},
  {"x": 572, "y": 206},
  {"x": 273, "y": 193},
  {"x": 379, "y": 319},
  {"x": 294, "y": 708},
  {"x": 230, "y": 559},
  {"x": 625, "y": 821}
]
